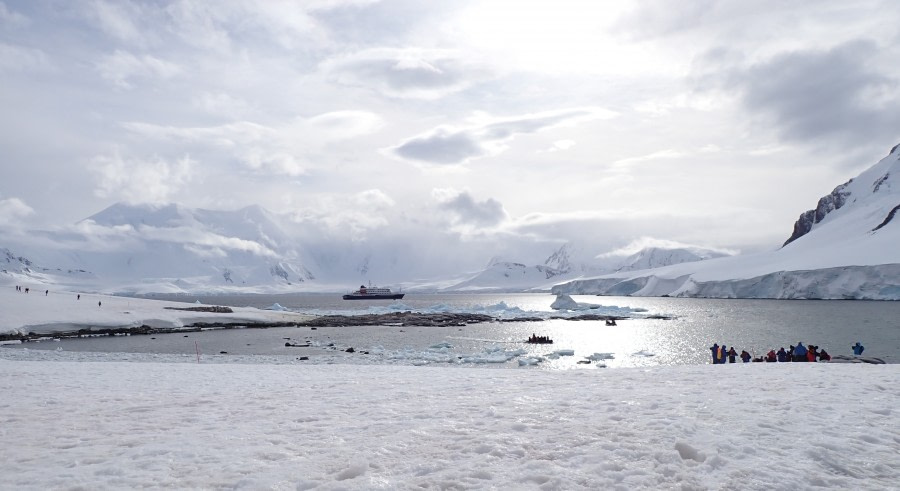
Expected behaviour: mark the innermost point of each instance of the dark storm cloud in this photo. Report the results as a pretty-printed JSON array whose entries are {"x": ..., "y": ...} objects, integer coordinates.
[
  {"x": 468, "y": 211},
  {"x": 813, "y": 96}
]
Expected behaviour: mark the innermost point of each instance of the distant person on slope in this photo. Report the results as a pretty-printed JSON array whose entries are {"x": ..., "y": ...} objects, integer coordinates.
[
  {"x": 857, "y": 348},
  {"x": 745, "y": 357},
  {"x": 732, "y": 354}
]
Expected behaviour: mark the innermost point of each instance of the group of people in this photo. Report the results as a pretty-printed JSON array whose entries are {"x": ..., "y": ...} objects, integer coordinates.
[
  {"x": 539, "y": 339},
  {"x": 27, "y": 290},
  {"x": 722, "y": 354},
  {"x": 47, "y": 292}
]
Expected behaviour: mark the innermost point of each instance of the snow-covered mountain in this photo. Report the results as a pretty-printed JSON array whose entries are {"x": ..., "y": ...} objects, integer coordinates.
[
  {"x": 846, "y": 247},
  {"x": 657, "y": 257},
  {"x": 164, "y": 248},
  {"x": 568, "y": 262}
]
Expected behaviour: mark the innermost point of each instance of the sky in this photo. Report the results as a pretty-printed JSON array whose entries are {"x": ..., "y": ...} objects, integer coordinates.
[{"x": 494, "y": 126}]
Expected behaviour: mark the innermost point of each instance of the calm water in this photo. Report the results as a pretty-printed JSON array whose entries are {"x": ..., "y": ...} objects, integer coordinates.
[{"x": 754, "y": 325}]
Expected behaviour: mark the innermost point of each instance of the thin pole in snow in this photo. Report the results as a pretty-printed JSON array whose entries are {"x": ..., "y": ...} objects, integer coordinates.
[{"x": 197, "y": 346}]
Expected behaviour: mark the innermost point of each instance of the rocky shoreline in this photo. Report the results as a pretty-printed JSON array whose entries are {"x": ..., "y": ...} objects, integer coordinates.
[{"x": 401, "y": 319}]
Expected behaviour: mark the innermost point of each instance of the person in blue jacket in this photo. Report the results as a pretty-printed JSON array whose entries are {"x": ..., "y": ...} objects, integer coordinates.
[
  {"x": 800, "y": 352},
  {"x": 715, "y": 350},
  {"x": 857, "y": 348}
]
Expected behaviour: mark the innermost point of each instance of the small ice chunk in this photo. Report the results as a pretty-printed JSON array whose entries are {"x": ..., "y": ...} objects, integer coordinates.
[
  {"x": 564, "y": 352},
  {"x": 530, "y": 361},
  {"x": 601, "y": 356}
]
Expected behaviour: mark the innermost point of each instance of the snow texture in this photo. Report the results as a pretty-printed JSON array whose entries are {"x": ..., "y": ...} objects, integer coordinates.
[{"x": 121, "y": 425}]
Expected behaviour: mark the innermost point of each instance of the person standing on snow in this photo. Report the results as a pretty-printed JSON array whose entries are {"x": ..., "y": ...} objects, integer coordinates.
[
  {"x": 800, "y": 352},
  {"x": 857, "y": 348},
  {"x": 715, "y": 351},
  {"x": 731, "y": 355}
]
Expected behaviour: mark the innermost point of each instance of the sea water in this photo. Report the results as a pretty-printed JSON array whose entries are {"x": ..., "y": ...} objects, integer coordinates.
[{"x": 684, "y": 336}]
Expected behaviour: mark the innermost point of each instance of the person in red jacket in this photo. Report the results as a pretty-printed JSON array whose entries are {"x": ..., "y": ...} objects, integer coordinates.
[{"x": 811, "y": 353}]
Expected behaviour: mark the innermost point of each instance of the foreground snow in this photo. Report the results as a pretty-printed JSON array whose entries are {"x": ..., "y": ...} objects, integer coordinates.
[{"x": 756, "y": 426}]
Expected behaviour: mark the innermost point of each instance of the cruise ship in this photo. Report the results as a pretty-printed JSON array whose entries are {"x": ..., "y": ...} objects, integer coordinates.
[{"x": 372, "y": 293}]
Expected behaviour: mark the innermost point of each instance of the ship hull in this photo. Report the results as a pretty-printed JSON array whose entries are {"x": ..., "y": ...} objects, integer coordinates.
[{"x": 391, "y": 296}]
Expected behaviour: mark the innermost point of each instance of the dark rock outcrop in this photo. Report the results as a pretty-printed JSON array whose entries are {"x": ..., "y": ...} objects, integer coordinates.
[{"x": 828, "y": 203}]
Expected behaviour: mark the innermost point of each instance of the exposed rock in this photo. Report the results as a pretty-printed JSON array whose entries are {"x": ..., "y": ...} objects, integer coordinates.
[
  {"x": 828, "y": 203},
  {"x": 214, "y": 308}
]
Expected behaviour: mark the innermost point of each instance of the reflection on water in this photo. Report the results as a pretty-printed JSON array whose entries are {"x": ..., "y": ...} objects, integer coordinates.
[{"x": 753, "y": 325}]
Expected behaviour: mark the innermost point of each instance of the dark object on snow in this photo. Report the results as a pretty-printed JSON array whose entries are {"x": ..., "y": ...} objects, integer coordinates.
[
  {"x": 539, "y": 340},
  {"x": 856, "y": 359},
  {"x": 215, "y": 309},
  {"x": 223, "y": 352},
  {"x": 303, "y": 358},
  {"x": 611, "y": 322},
  {"x": 296, "y": 345},
  {"x": 350, "y": 350}
]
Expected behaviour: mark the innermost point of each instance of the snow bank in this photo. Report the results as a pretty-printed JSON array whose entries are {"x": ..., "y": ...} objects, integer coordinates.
[
  {"x": 60, "y": 311},
  {"x": 200, "y": 426}
]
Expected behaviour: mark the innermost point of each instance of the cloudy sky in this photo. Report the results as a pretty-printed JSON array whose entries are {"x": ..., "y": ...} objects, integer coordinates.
[{"x": 507, "y": 125}]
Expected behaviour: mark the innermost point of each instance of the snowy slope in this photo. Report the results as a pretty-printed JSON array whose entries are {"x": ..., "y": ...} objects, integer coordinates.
[
  {"x": 656, "y": 257},
  {"x": 188, "y": 425},
  {"x": 565, "y": 264},
  {"x": 847, "y": 247},
  {"x": 142, "y": 248}
]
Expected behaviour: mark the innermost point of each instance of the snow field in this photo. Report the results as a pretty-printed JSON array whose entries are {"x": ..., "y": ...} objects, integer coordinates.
[{"x": 177, "y": 425}]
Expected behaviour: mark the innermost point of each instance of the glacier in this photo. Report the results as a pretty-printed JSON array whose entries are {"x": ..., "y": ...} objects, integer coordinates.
[{"x": 845, "y": 248}]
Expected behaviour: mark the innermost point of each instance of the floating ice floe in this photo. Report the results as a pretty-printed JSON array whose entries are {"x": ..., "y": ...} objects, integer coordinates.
[
  {"x": 500, "y": 310},
  {"x": 530, "y": 361},
  {"x": 601, "y": 356},
  {"x": 562, "y": 352},
  {"x": 565, "y": 302},
  {"x": 643, "y": 352},
  {"x": 276, "y": 306}
]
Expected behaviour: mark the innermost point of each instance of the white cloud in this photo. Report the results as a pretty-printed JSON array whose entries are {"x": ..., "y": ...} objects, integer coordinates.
[
  {"x": 467, "y": 211},
  {"x": 490, "y": 136},
  {"x": 11, "y": 17},
  {"x": 660, "y": 155},
  {"x": 140, "y": 181},
  {"x": 273, "y": 150},
  {"x": 346, "y": 216},
  {"x": 407, "y": 73},
  {"x": 21, "y": 59},
  {"x": 116, "y": 18},
  {"x": 642, "y": 243},
  {"x": 13, "y": 211},
  {"x": 221, "y": 104},
  {"x": 122, "y": 68}
]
